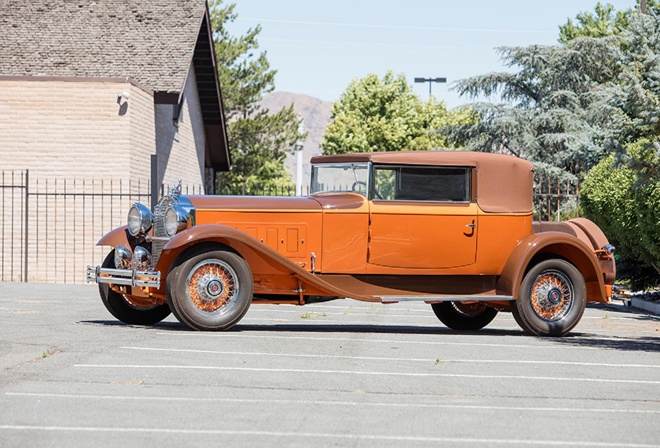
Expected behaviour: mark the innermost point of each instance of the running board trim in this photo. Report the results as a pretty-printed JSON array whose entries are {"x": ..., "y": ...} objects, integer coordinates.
[{"x": 433, "y": 299}]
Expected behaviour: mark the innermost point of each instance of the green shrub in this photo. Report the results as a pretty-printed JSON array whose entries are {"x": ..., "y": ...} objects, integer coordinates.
[{"x": 627, "y": 209}]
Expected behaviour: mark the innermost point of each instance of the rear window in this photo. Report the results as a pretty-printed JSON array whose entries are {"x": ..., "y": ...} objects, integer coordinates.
[{"x": 405, "y": 183}]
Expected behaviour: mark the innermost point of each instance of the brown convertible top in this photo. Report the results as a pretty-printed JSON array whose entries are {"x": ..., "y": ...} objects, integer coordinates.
[{"x": 504, "y": 183}]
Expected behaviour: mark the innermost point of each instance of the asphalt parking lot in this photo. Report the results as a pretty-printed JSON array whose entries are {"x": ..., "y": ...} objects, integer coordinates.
[{"x": 344, "y": 373}]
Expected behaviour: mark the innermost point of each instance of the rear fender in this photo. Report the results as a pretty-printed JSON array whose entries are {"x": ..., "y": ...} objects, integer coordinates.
[{"x": 541, "y": 246}]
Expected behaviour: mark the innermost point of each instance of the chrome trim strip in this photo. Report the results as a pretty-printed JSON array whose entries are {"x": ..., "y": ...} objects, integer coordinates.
[
  {"x": 445, "y": 298},
  {"x": 123, "y": 277}
]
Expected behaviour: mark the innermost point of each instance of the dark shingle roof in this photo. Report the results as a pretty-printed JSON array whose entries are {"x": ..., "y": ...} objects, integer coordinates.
[{"x": 150, "y": 41}]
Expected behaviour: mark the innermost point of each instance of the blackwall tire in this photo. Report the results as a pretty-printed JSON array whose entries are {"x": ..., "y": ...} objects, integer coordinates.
[
  {"x": 552, "y": 299},
  {"x": 462, "y": 317},
  {"x": 210, "y": 289},
  {"x": 121, "y": 307}
]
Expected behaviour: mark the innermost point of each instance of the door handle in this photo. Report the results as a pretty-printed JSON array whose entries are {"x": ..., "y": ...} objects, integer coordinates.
[{"x": 470, "y": 232}]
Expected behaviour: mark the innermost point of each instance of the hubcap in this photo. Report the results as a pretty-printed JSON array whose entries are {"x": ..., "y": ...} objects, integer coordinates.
[
  {"x": 213, "y": 286},
  {"x": 552, "y": 295}
]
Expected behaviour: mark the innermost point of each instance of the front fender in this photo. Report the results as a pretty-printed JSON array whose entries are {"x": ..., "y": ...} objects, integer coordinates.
[
  {"x": 242, "y": 242},
  {"x": 549, "y": 245},
  {"x": 114, "y": 238}
]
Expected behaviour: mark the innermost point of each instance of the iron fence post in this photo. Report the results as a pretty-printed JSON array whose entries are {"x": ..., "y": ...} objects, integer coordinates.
[{"x": 25, "y": 223}]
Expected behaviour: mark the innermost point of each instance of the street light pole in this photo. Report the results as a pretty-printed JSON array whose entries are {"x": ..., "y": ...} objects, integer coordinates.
[{"x": 430, "y": 81}]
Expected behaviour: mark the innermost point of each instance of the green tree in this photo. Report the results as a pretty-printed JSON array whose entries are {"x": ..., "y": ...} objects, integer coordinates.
[
  {"x": 258, "y": 139},
  {"x": 548, "y": 111},
  {"x": 603, "y": 22},
  {"x": 628, "y": 210},
  {"x": 375, "y": 114}
]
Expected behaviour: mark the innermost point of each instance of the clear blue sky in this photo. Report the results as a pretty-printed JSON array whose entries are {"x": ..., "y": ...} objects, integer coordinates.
[{"x": 317, "y": 48}]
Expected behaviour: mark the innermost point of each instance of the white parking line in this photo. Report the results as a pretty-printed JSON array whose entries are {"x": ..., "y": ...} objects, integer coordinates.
[
  {"x": 371, "y": 358},
  {"x": 358, "y": 372},
  {"x": 332, "y": 403},
  {"x": 378, "y": 341},
  {"x": 320, "y": 318},
  {"x": 384, "y": 311},
  {"x": 334, "y": 436}
]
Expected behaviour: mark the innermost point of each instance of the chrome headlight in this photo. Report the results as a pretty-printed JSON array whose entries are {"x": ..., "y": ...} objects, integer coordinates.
[
  {"x": 141, "y": 259},
  {"x": 140, "y": 219},
  {"x": 176, "y": 220},
  {"x": 123, "y": 257}
]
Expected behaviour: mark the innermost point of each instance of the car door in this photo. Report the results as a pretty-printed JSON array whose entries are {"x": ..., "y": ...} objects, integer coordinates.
[{"x": 422, "y": 218}]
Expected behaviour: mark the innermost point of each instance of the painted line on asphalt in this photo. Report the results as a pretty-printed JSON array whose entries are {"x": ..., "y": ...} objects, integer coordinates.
[
  {"x": 379, "y": 341},
  {"x": 500, "y": 325},
  {"x": 360, "y": 372},
  {"x": 372, "y": 358},
  {"x": 381, "y": 311},
  {"x": 320, "y": 435},
  {"x": 330, "y": 403}
]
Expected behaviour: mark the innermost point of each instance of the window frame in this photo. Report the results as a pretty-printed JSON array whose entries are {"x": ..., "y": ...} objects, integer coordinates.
[{"x": 470, "y": 186}]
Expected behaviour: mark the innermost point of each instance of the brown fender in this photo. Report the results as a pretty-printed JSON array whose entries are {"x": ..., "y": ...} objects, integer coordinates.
[
  {"x": 239, "y": 241},
  {"x": 548, "y": 245},
  {"x": 114, "y": 238}
]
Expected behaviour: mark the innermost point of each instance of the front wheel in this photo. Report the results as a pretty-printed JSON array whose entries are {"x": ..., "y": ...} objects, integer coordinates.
[
  {"x": 464, "y": 317},
  {"x": 121, "y": 306},
  {"x": 210, "y": 289},
  {"x": 552, "y": 299}
]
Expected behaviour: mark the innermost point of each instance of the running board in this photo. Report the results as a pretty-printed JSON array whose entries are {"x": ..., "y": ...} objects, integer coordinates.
[{"x": 433, "y": 299}]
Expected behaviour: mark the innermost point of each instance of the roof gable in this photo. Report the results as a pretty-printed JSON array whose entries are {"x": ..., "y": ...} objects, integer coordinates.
[{"x": 151, "y": 41}]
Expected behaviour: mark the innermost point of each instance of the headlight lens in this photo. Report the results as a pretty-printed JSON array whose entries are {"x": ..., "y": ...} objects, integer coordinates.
[
  {"x": 141, "y": 259},
  {"x": 140, "y": 219},
  {"x": 176, "y": 220},
  {"x": 123, "y": 257}
]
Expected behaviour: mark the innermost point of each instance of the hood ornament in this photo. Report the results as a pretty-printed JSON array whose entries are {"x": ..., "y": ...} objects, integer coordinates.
[{"x": 175, "y": 191}]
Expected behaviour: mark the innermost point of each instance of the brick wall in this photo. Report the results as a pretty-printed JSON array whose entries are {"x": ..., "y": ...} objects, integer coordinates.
[
  {"x": 83, "y": 148},
  {"x": 60, "y": 129}
]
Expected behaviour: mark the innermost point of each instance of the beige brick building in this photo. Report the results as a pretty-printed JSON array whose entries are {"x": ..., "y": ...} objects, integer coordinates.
[{"x": 99, "y": 99}]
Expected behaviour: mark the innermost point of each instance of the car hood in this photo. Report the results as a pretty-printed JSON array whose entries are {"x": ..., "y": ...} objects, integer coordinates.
[{"x": 269, "y": 203}]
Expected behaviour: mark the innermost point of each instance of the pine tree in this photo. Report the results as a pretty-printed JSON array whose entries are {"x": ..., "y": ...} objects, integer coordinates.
[{"x": 258, "y": 139}]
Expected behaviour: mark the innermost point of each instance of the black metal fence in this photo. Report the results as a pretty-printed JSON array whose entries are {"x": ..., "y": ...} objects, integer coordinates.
[
  {"x": 556, "y": 200},
  {"x": 49, "y": 227}
]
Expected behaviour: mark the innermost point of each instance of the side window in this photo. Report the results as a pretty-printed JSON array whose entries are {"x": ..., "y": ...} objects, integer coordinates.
[{"x": 421, "y": 184}]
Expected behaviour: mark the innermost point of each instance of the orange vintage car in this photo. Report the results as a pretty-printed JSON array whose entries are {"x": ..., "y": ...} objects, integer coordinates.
[{"x": 453, "y": 229}]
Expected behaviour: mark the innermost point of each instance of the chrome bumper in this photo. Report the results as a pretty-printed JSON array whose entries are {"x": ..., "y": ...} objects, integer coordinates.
[{"x": 124, "y": 277}]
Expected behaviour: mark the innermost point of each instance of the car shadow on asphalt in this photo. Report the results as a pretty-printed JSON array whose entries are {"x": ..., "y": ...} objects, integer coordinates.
[
  {"x": 635, "y": 344},
  {"x": 574, "y": 339},
  {"x": 276, "y": 327}
]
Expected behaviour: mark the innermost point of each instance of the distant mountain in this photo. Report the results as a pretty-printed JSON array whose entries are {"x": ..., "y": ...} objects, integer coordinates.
[{"x": 316, "y": 117}]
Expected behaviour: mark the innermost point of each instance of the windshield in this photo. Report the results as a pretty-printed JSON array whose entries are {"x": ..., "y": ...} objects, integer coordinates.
[{"x": 349, "y": 177}]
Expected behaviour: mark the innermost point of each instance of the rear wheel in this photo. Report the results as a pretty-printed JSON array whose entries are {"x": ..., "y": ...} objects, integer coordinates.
[
  {"x": 552, "y": 299},
  {"x": 464, "y": 317},
  {"x": 126, "y": 310},
  {"x": 210, "y": 289}
]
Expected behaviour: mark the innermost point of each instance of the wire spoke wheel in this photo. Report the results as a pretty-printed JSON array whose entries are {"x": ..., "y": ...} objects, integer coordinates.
[
  {"x": 464, "y": 316},
  {"x": 129, "y": 309},
  {"x": 210, "y": 288},
  {"x": 552, "y": 299},
  {"x": 213, "y": 286},
  {"x": 552, "y": 295}
]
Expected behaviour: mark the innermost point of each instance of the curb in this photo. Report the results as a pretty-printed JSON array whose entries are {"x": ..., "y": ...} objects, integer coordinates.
[{"x": 652, "y": 307}]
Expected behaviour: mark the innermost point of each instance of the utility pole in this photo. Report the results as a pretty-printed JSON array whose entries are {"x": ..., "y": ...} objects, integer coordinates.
[
  {"x": 642, "y": 7},
  {"x": 298, "y": 149}
]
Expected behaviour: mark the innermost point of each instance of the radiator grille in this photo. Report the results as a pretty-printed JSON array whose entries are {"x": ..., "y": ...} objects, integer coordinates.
[{"x": 159, "y": 227}]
